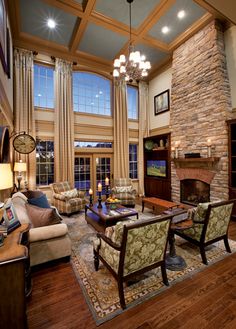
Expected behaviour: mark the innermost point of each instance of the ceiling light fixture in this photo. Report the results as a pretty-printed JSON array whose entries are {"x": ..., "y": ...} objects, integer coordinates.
[
  {"x": 135, "y": 67},
  {"x": 181, "y": 14},
  {"x": 51, "y": 23},
  {"x": 165, "y": 29}
]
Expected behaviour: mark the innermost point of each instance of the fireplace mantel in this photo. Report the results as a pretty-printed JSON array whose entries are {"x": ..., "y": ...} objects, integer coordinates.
[{"x": 207, "y": 163}]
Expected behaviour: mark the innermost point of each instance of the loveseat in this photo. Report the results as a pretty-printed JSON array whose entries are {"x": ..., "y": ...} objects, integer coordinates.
[{"x": 47, "y": 242}]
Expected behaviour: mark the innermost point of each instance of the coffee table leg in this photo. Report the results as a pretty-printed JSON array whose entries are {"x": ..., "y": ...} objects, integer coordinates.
[
  {"x": 174, "y": 262},
  {"x": 142, "y": 206}
]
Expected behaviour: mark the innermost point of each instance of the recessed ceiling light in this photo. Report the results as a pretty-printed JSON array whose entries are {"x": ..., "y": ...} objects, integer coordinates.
[
  {"x": 51, "y": 23},
  {"x": 181, "y": 14},
  {"x": 165, "y": 29}
]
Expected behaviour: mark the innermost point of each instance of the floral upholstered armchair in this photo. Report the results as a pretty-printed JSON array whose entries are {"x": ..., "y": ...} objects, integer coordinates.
[
  {"x": 210, "y": 224},
  {"x": 133, "y": 247},
  {"x": 124, "y": 191},
  {"x": 66, "y": 198}
]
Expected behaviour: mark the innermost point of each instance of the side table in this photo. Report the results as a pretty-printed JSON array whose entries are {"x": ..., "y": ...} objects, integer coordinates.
[{"x": 15, "y": 279}]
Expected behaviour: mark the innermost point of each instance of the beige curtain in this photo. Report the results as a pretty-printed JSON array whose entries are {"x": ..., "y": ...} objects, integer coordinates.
[
  {"x": 121, "y": 133},
  {"x": 24, "y": 107},
  {"x": 64, "y": 123},
  {"x": 143, "y": 131}
]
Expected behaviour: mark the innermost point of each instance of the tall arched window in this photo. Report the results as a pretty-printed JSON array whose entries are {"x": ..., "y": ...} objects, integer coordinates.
[{"x": 91, "y": 93}]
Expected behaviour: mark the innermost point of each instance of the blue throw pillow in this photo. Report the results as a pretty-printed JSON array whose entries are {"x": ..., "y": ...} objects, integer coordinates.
[{"x": 41, "y": 202}]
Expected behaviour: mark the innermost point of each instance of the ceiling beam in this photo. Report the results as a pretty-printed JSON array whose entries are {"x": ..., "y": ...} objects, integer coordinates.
[
  {"x": 14, "y": 17},
  {"x": 77, "y": 36},
  {"x": 68, "y": 6}
]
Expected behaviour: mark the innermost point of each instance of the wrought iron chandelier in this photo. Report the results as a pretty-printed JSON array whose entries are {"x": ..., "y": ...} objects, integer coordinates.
[{"x": 135, "y": 67}]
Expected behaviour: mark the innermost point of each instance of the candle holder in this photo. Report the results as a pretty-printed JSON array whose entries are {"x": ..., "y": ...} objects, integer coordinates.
[
  {"x": 90, "y": 200},
  {"x": 107, "y": 191},
  {"x": 99, "y": 199}
]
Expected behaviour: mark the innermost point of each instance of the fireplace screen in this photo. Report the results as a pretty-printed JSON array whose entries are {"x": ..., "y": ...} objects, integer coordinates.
[{"x": 193, "y": 191}]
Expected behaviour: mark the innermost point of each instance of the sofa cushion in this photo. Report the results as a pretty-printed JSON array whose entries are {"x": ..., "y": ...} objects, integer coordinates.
[
  {"x": 41, "y": 216},
  {"x": 19, "y": 201},
  {"x": 41, "y": 202},
  {"x": 71, "y": 193},
  {"x": 47, "y": 232}
]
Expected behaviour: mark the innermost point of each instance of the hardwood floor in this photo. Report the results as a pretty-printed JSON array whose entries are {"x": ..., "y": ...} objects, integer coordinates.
[{"x": 206, "y": 300}]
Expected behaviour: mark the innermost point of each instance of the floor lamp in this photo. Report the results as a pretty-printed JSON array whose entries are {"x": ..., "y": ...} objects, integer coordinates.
[{"x": 19, "y": 167}]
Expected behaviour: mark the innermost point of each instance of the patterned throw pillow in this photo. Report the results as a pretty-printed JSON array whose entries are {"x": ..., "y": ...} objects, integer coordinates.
[
  {"x": 115, "y": 232},
  {"x": 71, "y": 193},
  {"x": 200, "y": 212},
  {"x": 124, "y": 189}
]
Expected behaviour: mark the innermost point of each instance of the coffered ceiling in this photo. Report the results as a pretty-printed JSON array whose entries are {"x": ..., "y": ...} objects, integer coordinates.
[{"x": 94, "y": 32}]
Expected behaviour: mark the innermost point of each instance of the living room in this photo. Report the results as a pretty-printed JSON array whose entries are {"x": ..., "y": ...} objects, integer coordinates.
[{"x": 193, "y": 67}]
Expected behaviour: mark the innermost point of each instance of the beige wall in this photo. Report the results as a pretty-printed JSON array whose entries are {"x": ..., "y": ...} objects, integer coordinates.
[
  {"x": 157, "y": 85},
  {"x": 230, "y": 50}
]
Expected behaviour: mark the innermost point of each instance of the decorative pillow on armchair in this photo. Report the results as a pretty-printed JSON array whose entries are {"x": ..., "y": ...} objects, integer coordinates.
[
  {"x": 71, "y": 193},
  {"x": 124, "y": 189}
]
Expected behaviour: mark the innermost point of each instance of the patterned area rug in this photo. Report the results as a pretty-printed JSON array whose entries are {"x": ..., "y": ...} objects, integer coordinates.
[{"x": 100, "y": 288}]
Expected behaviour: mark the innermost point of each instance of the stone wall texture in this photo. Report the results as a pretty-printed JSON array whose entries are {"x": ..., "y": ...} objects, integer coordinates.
[{"x": 201, "y": 104}]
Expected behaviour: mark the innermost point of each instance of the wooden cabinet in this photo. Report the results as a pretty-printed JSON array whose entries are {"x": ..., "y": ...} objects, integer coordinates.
[
  {"x": 232, "y": 162},
  {"x": 157, "y": 169},
  {"x": 15, "y": 279}
]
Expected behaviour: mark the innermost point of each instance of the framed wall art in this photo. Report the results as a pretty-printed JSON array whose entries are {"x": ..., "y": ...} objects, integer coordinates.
[{"x": 162, "y": 102}]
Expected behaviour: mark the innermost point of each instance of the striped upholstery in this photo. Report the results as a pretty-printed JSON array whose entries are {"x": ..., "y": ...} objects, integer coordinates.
[
  {"x": 124, "y": 191},
  {"x": 64, "y": 203}
]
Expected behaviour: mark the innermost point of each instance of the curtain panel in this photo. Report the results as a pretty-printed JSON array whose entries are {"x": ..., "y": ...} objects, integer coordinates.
[
  {"x": 143, "y": 131},
  {"x": 24, "y": 118},
  {"x": 64, "y": 123},
  {"x": 121, "y": 133}
]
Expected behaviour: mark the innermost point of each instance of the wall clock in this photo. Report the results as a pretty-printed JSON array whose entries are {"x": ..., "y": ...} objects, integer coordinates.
[
  {"x": 4, "y": 144},
  {"x": 24, "y": 143}
]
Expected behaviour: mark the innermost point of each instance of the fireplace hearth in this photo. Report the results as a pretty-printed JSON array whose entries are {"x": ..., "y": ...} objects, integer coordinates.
[{"x": 193, "y": 191}]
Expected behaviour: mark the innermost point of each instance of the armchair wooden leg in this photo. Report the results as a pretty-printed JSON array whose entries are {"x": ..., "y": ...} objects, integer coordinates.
[
  {"x": 164, "y": 275},
  {"x": 227, "y": 247},
  {"x": 121, "y": 294},
  {"x": 96, "y": 260},
  {"x": 203, "y": 254}
]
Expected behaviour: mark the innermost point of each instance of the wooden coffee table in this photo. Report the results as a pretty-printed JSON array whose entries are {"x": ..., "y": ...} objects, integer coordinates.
[
  {"x": 159, "y": 205},
  {"x": 100, "y": 218}
]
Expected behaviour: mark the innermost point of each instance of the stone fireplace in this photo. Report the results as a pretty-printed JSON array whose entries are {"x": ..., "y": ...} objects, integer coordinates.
[{"x": 200, "y": 106}]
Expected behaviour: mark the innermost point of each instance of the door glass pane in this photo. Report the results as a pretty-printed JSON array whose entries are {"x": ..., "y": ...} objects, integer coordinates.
[
  {"x": 82, "y": 173},
  {"x": 103, "y": 166}
]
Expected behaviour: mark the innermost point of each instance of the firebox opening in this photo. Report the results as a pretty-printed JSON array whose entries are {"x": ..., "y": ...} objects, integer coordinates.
[{"x": 193, "y": 191}]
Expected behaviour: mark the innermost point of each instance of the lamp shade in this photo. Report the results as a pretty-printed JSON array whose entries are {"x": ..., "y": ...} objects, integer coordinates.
[
  {"x": 6, "y": 176},
  {"x": 20, "y": 166}
]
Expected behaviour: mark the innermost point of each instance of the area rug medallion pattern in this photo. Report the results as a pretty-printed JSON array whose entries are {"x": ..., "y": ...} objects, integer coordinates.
[{"x": 100, "y": 288}]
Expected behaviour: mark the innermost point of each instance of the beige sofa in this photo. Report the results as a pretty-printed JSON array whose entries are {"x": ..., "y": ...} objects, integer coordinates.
[{"x": 46, "y": 242}]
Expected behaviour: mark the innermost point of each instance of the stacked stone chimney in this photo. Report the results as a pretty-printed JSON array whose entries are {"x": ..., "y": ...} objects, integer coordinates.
[{"x": 201, "y": 104}]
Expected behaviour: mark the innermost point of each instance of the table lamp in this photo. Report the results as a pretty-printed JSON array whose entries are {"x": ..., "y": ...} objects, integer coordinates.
[
  {"x": 6, "y": 181},
  {"x": 19, "y": 167}
]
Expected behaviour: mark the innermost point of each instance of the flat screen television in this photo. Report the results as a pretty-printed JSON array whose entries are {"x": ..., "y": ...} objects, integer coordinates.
[{"x": 157, "y": 168}]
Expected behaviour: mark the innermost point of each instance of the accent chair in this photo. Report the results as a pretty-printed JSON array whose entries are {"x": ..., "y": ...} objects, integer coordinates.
[
  {"x": 66, "y": 198},
  {"x": 210, "y": 224},
  {"x": 124, "y": 191},
  {"x": 132, "y": 247}
]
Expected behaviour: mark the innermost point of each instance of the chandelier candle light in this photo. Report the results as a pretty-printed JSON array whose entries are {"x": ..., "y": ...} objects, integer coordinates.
[
  {"x": 135, "y": 67},
  {"x": 99, "y": 195}
]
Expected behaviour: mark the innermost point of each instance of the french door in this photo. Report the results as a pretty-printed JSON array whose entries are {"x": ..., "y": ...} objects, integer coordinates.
[{"x": 91, "y": 169}]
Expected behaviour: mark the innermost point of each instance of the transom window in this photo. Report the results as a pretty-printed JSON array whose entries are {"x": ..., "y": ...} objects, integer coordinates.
[
  {"x": 132, "y": 100},
  {"x": 93, "y": 144},
  {"x": 43, "y": 86},
  {"x": 91, "y": 93},
  {"x": 133, "y": 161},
  {"x": 44, "y": 162}
]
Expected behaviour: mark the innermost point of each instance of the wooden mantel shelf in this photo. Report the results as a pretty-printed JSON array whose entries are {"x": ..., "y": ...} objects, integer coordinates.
[{"x": 196, "y": 162}]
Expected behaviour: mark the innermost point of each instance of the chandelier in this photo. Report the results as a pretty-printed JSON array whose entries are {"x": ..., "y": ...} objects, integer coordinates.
[{"x": 135, "y": 67}]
